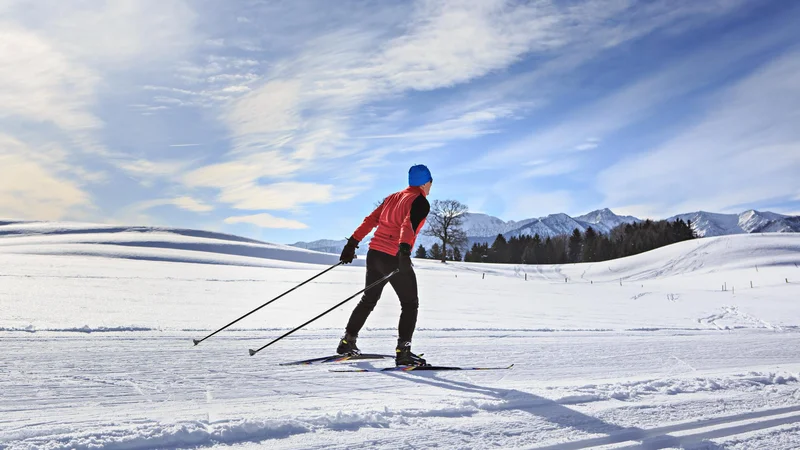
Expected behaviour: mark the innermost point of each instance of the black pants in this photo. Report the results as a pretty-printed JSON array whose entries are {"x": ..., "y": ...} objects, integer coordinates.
[{"x": 379, "y": 265}]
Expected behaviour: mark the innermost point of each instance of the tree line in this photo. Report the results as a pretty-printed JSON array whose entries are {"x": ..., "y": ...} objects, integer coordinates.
[{"x": 589, "y": 246}]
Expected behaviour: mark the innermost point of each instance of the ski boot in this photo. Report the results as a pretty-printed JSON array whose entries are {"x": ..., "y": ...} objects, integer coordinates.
[
  {"x": 404, "y": 357},
  {"x": 347, "y": 346}
]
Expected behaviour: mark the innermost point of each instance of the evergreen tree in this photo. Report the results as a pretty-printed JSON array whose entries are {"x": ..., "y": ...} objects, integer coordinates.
[
  {"x": 530, "y": 254},
  {"x": 457, "y": 254},
  {"x": 575, "y": 246},
  {"x": 421, "y": 253},
  {"x": 589, "y": 245},
  {"x": 478, "y": 253},
  {"x": 499, "y": 251},
  {"x": 436, "y": 252}
]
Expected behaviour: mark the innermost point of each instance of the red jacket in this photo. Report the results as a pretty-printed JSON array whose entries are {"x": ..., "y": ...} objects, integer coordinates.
[{"x": 399, "y": 218}]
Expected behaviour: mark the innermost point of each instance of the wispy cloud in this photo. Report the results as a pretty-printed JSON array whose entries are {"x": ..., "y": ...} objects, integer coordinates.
[
  {"x": 53, "y": 67},
  {"x": 745, "y": 150},
  {"x": 32, "y": 189},
  {"x": 265, "y": 220},
  {"x": 185, "y": 203}
]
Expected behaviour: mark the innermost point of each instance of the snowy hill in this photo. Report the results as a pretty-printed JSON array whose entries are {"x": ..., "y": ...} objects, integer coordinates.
[
  {"x": 85, "y": 245},
  {"x": 693, "y": 345},
  {"x": 148, "y": 243}
]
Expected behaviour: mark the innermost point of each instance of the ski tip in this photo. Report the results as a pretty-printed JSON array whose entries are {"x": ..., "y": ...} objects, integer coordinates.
[
  {"x": 252, "y": 352},
  {"x": 196, "y": 341}
]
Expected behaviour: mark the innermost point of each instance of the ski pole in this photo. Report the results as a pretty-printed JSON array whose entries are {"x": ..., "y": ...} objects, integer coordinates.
[
  {"x": 253, "y": 352},
  {"x": 197, "y": 341}
]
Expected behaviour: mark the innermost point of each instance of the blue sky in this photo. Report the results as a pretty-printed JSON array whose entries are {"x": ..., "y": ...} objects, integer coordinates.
[{"x": 287, "y": 121}]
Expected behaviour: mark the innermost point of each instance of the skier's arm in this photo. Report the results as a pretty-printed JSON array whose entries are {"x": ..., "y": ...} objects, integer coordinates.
[
  {"x": 414, "y": 220},
  {"x": 370, "y": 222}
]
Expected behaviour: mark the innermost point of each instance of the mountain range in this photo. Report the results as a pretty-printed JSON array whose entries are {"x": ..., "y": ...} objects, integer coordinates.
[{"x": 485, "y": 228}]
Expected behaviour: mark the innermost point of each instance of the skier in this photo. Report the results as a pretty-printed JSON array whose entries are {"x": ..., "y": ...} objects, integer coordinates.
[{"x": 399, "y": 219}]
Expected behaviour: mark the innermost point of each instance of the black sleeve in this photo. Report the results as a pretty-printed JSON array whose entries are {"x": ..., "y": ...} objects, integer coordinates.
[{"x": 419, "y": 211}]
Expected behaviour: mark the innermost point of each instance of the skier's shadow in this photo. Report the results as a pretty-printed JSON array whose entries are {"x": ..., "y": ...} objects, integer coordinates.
[{"x": 557, "y": 414}]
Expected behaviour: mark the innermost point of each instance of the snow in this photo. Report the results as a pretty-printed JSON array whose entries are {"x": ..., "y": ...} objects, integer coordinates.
[{"x": 648, "y": 351}]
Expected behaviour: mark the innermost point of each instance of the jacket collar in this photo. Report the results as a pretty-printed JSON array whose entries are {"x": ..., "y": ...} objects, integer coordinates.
[{"x": 416, "y": 189}]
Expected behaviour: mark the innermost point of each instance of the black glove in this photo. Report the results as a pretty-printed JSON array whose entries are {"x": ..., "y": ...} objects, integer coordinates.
[
  {"x": 349, "y": 251},
  {"x": 404, "y": 258}
]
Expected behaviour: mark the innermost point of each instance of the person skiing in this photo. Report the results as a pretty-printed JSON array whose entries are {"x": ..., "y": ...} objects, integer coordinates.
[{"x": 399, "y": 219}]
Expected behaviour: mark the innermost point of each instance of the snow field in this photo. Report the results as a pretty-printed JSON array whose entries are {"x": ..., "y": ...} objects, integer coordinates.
[{"x": 641, "y": 352}]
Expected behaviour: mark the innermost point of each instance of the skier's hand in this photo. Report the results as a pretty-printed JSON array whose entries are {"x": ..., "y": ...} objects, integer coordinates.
[
  {"x": 404, "y": 258},
  {"x": 349, "y": 251}
]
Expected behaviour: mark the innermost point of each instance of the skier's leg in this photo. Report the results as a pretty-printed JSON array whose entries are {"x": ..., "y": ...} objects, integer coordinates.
[
  {"x": 375, "y": 271},
  {"x": 405, "y": 285}
]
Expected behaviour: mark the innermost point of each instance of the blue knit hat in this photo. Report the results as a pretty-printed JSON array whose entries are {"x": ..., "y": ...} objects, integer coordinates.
[{"x": 419, "y": 175}]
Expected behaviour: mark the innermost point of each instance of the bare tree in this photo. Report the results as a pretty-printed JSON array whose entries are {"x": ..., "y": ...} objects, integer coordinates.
[{"x": 444, "y": 222}]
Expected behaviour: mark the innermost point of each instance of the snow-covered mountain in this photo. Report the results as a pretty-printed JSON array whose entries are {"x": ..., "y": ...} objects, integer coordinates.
[
  {"x": 485, "y": 228},
  {"x": 708, "y": 224},
  {"x": 604, "y": 220},
  {"x": 327, "y": 246}
]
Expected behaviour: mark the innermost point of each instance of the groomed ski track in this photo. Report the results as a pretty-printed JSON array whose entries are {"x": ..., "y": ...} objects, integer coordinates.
[{"x": 144, "y": 390}]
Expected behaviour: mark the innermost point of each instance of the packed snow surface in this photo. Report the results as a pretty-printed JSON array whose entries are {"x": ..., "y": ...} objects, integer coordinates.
[{"x": 674, "y": 348}]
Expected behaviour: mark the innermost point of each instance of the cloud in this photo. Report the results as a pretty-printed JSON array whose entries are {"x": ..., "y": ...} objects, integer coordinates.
[
  {"x": 185, "y": 203},
  {"x": 265, "y": 220},
  {"x": 147, "y": 171},
  {"x": 191, "y": 204},
  {"x": 240, "y": 183},
  {"x": 31, "y": 189},
  {"x": 468, "y": 125},
  {"x": 551, "y": 168},
  {"x": 589, "y": 144},
  {"x": 585, "y": 127},
  {"x": 133, "y": 32},
  {"x": 40, "y": 84},
  {"x": 538, "y": 204},
  {"x": 277, "y": 196},
  {"x": 240, "y": 172},
  {"x": 745, "y": 150}
]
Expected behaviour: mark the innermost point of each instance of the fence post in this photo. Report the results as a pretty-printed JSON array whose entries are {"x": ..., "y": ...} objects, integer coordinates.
[{"x": 484, "y": 276}]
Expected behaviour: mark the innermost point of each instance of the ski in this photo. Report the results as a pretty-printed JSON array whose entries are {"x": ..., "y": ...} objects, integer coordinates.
[
  {"x": 416, "y": 368},
  {"x": 336, "y": 358}
]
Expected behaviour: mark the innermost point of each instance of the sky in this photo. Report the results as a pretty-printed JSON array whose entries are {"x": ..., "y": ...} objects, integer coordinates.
[{"x": 288, "y": 120}]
